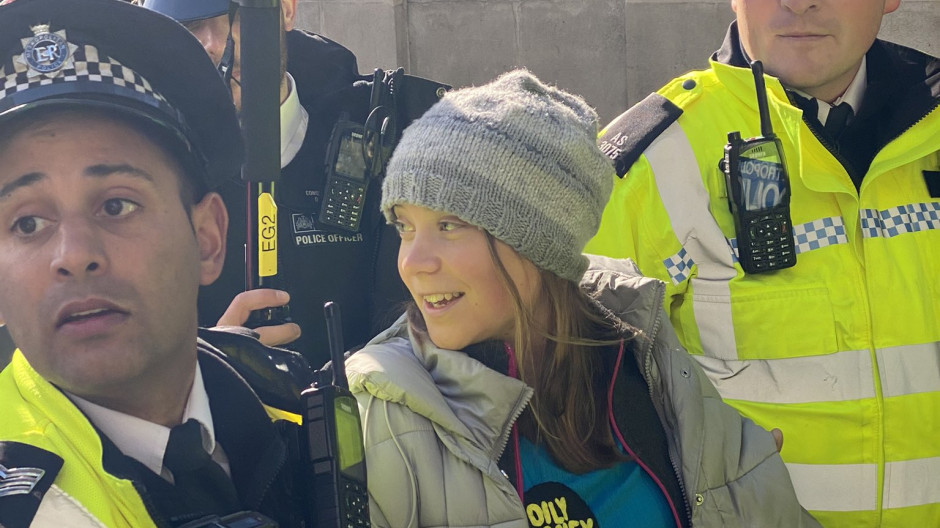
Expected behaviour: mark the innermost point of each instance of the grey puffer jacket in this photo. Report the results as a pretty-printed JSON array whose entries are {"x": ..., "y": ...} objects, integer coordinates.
[{"x": 436, "y": 422}]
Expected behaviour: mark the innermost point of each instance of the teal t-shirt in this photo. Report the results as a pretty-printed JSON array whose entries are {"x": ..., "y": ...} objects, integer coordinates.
[{"x": 623, "y": 495}]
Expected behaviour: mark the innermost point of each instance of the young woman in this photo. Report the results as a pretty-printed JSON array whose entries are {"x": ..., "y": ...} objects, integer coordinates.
[{"x": 527, "y": 386}]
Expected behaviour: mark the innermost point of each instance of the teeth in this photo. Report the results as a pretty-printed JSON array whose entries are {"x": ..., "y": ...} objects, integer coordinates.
[
  {"x": 88, "y": 312},
  {"x": 438, "y": 298}
]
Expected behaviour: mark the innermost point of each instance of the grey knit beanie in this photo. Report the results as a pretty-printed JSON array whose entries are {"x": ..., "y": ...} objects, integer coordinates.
[{"x": 514, "y": 157}]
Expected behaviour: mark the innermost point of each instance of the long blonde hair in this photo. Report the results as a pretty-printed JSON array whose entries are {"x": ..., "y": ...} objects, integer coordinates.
[{"x": 568, "y": 411}]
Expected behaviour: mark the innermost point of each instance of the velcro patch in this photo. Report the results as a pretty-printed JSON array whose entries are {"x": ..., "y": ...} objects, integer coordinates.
[{"x": 26, "y": 474}]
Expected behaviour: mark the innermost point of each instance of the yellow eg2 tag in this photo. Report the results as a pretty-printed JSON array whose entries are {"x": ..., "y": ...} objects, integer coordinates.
[{"x": 267, "y": 235}]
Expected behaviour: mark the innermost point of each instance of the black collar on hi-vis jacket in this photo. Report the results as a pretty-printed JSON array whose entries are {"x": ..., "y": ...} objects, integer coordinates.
[
  {"x": 903, "y": 86},
  {"x": 258, "y": 451}
]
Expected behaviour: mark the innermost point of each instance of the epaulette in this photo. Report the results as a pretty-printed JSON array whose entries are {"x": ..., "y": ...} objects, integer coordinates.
[
  {"x": 417, "y": 96},
  {"x": 26, "y": 474},
  {"x": 626, "y": 137}
]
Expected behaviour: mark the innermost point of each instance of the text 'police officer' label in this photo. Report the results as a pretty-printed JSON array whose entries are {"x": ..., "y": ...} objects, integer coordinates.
[{"x": 306, "y": 233}]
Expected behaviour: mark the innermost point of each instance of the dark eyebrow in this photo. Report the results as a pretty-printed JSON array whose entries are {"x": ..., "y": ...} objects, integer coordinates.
[
  {"x": 22, "y": 181},
  {"x": 95, "y": 171},
  {"x": 102, "y": 170}
]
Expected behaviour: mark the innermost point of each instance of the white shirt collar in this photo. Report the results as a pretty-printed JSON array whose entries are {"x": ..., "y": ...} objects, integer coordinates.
[
  {"x": 853, "y": 94},
  {"x": 146, "y": 441},
  {"x": 293, "y": 123}
]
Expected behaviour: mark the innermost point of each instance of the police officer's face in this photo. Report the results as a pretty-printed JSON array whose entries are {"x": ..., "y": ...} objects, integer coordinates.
[
  {"x": 812, "y": 45},
  {"x": 446, "y": 265},
  {"x": 213, "y": 34},
  {"x": 101, "y": 260}
]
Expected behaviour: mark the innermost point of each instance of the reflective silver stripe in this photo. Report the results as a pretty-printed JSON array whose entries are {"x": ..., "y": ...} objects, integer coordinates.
[
  {"x": 840, "y": 376},
  {"x": 912, "y": 482},
  {"x": 685, "y": 199},
  {"x": 909, "y": 369},
  {"x": 835, "y": 487},
  {"x": 898, "y": 220}
]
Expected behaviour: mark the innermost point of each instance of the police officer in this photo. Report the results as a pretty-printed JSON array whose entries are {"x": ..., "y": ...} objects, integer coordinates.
[
  {"x": 319, "y": 262},
  {"x": 842, "y": 350},
  {"x": 114, "y": 413}
]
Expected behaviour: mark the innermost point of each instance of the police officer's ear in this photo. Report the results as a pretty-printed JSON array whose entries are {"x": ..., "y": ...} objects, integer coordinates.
[
  {"x": 210, "y": 223},
  {"x": 288, "y": 12}
]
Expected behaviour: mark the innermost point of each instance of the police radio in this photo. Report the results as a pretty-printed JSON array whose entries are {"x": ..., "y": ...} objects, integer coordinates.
[
  {"x": 336, "y": 464},
  {"x": 347, "y": 176},
  {"x": 759, "y": 193},
  {"x": 357, "y": 154}
]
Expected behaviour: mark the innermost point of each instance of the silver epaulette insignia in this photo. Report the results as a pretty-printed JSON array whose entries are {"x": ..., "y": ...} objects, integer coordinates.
[{"x": 19, "y": 481}]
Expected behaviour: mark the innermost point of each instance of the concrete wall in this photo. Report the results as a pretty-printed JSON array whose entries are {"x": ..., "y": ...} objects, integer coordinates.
[{"x": 612, "y": 52}]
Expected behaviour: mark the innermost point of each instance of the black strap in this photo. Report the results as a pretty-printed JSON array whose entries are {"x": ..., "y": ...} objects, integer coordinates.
[{"x": 26, "y": 474}]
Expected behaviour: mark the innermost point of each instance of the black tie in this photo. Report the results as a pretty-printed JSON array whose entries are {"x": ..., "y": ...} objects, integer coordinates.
[
  {"x": 838, "y": 116},
  {"x": 202, "y": 481}
]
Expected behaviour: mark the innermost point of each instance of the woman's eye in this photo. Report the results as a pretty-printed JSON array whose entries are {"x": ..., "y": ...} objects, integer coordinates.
[
  {"x": 119, "y": 207},
  {"x": 447, "y": 225},
  {"x": 402, "y": 228}
]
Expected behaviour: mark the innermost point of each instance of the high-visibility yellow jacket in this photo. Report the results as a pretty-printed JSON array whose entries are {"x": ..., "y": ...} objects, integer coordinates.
[
  {"x": 52, "y": 460},
  {"x": 82, "y": 494},
  {"x": 842, "y": 351}
]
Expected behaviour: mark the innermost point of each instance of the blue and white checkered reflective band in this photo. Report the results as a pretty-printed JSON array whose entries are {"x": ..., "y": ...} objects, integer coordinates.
[
  {"x": 679, "y": 266},
  {"x": 898, "y": 220},
  {"x": 806, "y": 237},
  {"x": 49, "y": 59},
  {"x": 819, "y": 234}
]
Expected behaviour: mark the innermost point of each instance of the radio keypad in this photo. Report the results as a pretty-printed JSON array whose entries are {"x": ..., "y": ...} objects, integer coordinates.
[{"x": 771, "y": 239}]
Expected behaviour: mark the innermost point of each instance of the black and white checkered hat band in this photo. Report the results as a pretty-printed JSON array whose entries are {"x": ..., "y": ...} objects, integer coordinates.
[{"x": 84, "y": 67}]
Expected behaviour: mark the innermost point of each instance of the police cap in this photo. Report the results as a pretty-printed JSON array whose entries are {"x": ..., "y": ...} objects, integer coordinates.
[
  {"x": 118, "y": 56},
  {"x": 189, "y": 10}
]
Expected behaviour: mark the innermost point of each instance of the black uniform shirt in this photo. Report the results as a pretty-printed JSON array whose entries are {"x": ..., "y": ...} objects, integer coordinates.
[{"x": 356, "y": 270}]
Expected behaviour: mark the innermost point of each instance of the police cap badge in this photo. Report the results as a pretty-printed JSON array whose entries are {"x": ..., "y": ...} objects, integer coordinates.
[{"x": 109, "y": 53}]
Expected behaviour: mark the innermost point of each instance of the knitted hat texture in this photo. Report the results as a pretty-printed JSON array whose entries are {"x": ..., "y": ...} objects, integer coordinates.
[{"x": 514, "y": 157}]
